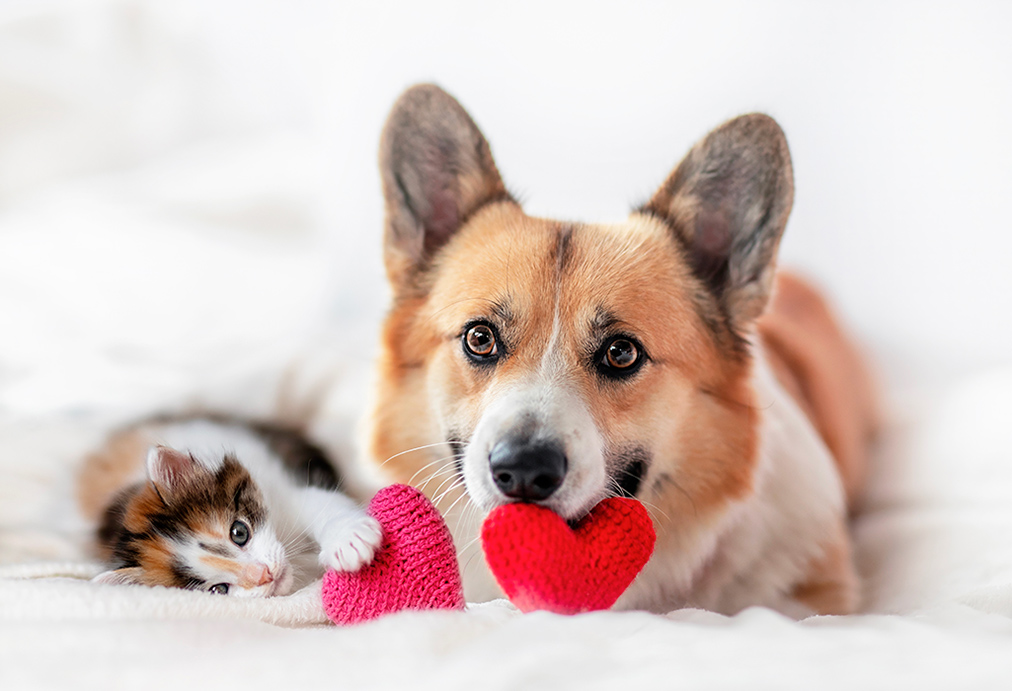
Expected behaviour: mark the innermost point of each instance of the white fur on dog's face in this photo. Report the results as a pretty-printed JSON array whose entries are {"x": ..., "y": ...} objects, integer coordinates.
[{"x": 557, "y": 413}]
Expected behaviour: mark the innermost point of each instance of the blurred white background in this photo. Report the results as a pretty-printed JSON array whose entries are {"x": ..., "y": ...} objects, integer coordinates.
[{"x": 184, "y": 183}]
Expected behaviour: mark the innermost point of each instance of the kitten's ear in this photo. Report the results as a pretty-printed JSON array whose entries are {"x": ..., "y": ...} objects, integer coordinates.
[
  {"x": 437, "y": 170},
  {"x": 169, "y": 469},
  {"x": 727, "y": 203},
  {"x": 128, "y": 576}
]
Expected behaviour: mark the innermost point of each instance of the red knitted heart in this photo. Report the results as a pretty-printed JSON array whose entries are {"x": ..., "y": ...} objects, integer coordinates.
[
  {"x": 542, "y": 563},
  {"x": 415, "y": 568}
]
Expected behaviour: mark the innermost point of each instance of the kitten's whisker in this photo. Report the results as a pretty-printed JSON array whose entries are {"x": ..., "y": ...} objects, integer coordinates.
[{"x": 308, "y": 524}]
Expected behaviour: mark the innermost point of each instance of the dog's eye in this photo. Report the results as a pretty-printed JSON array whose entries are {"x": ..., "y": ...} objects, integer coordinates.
[
  {"x": 619, "y": 357},
  {"x": 480, "y": 342},
  {"x": 622, "y": 354},
  {"x": 239, "y": 532},
  {"x": 219, "y": 589}
]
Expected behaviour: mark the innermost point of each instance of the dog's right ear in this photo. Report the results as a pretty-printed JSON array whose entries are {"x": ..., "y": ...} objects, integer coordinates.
[
  {"x": 727, "y": 203},
  {"x": 437, "y": 170}
]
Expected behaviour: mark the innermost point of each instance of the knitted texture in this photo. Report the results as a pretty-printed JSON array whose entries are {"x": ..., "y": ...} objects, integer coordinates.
[
  {"x": 542, "y": 563},
  {"x": 415, "y": 568}
]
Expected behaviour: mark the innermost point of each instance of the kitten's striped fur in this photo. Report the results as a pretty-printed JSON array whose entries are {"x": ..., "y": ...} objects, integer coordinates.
[{"x": 221, "y": 505}]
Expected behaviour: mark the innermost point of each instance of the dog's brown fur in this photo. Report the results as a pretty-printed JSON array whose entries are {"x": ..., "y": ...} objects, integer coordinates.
[
  {"x": 825, "y": 373},
  {"x": 460, "y": 249}
]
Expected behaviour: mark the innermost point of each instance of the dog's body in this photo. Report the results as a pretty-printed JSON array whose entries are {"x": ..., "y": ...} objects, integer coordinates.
[{"x": 532, "y": 360}]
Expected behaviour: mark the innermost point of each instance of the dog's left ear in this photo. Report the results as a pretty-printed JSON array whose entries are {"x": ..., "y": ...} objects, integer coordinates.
[
  {"x": 727, "y": 203},
  {"x": 437, "y": 170}
]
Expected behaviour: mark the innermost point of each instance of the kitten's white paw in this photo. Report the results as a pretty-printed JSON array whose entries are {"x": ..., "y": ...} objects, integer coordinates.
[{"x": 349, "y": 543}]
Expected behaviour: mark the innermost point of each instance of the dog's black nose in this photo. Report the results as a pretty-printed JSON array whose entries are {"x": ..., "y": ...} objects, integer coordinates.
[{"x": 525, "y": 470}]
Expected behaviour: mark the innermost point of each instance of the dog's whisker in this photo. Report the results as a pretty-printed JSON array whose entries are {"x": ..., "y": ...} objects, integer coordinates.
[
  {"x": 442, "y": 470},
  {"x": 665, "y": 477},
  {"x": 471, "y": 514},
  {"x": 425, "y": 467},
  {"x": 615, "y": 489},
  {"x": 457, "y": 500},
  {"x": 471, "y": 543},
  {"x": 654, "y": 509},
  {"x": 470, "y": 559},
  {"x": 456, "y": 484},
  {"x": 412, "y": 450}
]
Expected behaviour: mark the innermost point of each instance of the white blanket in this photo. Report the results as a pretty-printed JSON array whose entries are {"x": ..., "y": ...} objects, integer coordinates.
[
  {"x": 932, "y": 544},
  {"x": 190, "y": 216}
]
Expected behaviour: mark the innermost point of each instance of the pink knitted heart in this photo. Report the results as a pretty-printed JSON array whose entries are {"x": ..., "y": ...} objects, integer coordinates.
[
  {"x": 415, "y": 568},
  {"x": 542, "y": 563}
]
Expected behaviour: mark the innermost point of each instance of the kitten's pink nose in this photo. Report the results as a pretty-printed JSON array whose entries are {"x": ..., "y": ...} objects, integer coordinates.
[
  {"x": 265, "y": 576},
  {"x": 256, "y": 574}
]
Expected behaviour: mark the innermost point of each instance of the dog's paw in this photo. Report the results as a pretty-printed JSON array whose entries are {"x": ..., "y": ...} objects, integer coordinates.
[{"x": 349, "y": 543}]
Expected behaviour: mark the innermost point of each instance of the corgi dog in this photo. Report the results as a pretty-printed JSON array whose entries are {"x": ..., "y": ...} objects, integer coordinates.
[{"x": 661, "y": 358}]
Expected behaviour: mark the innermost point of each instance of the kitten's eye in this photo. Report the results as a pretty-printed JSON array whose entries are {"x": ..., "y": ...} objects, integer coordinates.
[
  {"x": 219, "y": 589},
  {"x": 620, "y": 357},
  {"x": 480, "y": 343},
  {"x": 239, "y": 533}
]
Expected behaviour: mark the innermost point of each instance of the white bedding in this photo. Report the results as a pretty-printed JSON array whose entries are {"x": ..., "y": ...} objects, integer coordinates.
[{"x": 190, "y": 216}]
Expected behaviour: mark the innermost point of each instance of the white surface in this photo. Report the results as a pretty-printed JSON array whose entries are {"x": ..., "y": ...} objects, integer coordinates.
[{"x": 190, "y": 213}]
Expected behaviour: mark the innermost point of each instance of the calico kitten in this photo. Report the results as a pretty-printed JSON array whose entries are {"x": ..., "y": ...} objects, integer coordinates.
[{"x": 221, "y": 505}]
